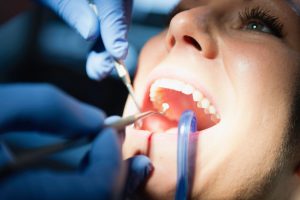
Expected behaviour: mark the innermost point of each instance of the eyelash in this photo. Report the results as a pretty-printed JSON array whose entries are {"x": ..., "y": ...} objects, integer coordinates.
[{"x": 262, "y": 16}]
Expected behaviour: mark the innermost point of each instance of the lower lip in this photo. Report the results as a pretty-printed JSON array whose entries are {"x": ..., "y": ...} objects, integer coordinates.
[
  {"x": 172, "y": 132},
  {"x": 144, "y": 142}
]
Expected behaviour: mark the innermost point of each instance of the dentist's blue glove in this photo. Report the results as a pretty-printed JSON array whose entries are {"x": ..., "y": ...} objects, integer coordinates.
[
  {"x": 109, "y": 26},
  {"x": 47, "y": 110}
]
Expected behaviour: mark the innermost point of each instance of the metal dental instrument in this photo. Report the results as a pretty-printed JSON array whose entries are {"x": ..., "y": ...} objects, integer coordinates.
[
  {"x": 187, "y": 125},
  {"x": 36, "y": 154},
  {"x": 123, "y": 122},
  {"x": 120, "y": 67},
  {"x": 124, "y": 75}
]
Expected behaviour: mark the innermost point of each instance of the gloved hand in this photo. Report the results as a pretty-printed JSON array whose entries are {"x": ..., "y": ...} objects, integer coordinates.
[
  {"x": 45, "y": 109},
  {"x": 109, "y": 26}
]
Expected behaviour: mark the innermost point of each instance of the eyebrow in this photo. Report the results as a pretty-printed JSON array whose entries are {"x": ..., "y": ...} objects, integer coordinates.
[{"x": 293, "y": 4}]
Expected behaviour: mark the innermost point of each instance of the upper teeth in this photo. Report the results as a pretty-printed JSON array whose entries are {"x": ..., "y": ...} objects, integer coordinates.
[
  {"x": 197, "y": 96},
  {"x": 187, "y": 89}
]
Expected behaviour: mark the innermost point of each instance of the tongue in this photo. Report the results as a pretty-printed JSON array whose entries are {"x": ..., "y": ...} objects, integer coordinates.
[
  {"x": 178, "y": 103},
  {"x": 157, "y": 123}
]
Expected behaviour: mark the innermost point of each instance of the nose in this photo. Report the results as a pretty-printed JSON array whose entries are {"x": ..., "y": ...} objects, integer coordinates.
[{"x": 191, "y": 28}]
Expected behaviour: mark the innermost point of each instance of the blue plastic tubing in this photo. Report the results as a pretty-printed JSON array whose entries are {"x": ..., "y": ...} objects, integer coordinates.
[{"x": 187, "y": 125}]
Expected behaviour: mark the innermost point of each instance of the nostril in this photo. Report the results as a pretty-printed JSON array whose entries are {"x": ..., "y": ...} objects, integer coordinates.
[
  {"x": 173, "y": 42},
  {"x": 192, "y": 41}
]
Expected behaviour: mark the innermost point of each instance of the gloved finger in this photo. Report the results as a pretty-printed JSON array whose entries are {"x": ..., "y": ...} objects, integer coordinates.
[
  {"x": 105, "y": 162},
  {"x": 99, "y": 180},
  {"x": 86, "y": 158},
  {"x": 78, "y": 14},
  {"x": 139, "y": 169},
  {"x": 105, "y": 152},
  {"x": 99, "y": 65},
  {"x": 112, "y": 119},
  {"x": 121, "y": 132},
  {"x": 115, "y": 19},
  {"x": 40, "y": 184},
  {"x": 49, "y": 185},
  {"x": 44, "y": 108}
]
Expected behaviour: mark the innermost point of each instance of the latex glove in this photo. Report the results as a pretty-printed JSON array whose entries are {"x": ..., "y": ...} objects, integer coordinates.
[
  {"x": 109, "y": 26},
  {"x": 46, "y": 109}
]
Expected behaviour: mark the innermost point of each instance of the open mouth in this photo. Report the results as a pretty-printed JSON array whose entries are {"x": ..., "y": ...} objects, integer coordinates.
[{"x": 177, "y": 96}]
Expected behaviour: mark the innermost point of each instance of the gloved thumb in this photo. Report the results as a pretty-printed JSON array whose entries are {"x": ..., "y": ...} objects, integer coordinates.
[
  {"x": 115, "y": 17},
  {"x": 104, "y": 165},
  {"x": 139, "y": 169},
  {"x": 106, "y": 152}
]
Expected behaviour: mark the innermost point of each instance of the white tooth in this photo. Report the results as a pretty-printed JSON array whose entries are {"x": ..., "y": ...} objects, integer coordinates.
[
  {"x": 215, "y": 118},
  {"x": 162, "y": 83},
  {"x": 153, "y": 89},
  {"x": 152, "y": 94},
  {"x": 158, "y": 83},
  {"x": 199, "y": 104},
  {"x": 172, "y": 85},
  {"x": 164, "y": 108},
  {"x": 212, "y": 110},
  {"x": 197, "y": 95},
  {"x": 178, "y": 86},
  {"x": 204, "y": 103},
  {"x": 187, "y": 89},
  {"x": 175, "y": 85},
  {"x": 155, "y": 96},
  {"x": 152, "y": 99}
]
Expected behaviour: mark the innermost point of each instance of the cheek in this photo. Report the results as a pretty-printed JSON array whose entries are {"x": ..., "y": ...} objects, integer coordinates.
[
  {"x": 260, "y": 67},
  {"x": 263, "y": 76},
  {"x": 151, "y": 55}
]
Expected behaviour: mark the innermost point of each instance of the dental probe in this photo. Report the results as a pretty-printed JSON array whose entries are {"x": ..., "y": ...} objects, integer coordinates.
[
  {"x": 120, "y": 67},
  {"x": 122, "y": 123},
  {"x": 124, "y": 75},
  {"x": 36, "y": 154}
]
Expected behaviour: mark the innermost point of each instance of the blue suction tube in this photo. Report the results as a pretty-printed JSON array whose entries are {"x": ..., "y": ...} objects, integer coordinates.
[{"x": 187, "y": 125}]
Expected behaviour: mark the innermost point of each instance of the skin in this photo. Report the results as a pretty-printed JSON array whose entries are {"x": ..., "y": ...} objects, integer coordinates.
[{"x": 253, "y": 79}]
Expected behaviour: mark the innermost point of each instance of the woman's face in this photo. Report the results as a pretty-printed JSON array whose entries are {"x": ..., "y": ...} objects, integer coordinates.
[{"x": 235, "y": 63}]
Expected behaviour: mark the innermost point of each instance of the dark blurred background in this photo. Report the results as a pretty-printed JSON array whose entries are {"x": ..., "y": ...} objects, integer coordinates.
[{"x": 37, "y": 46}]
